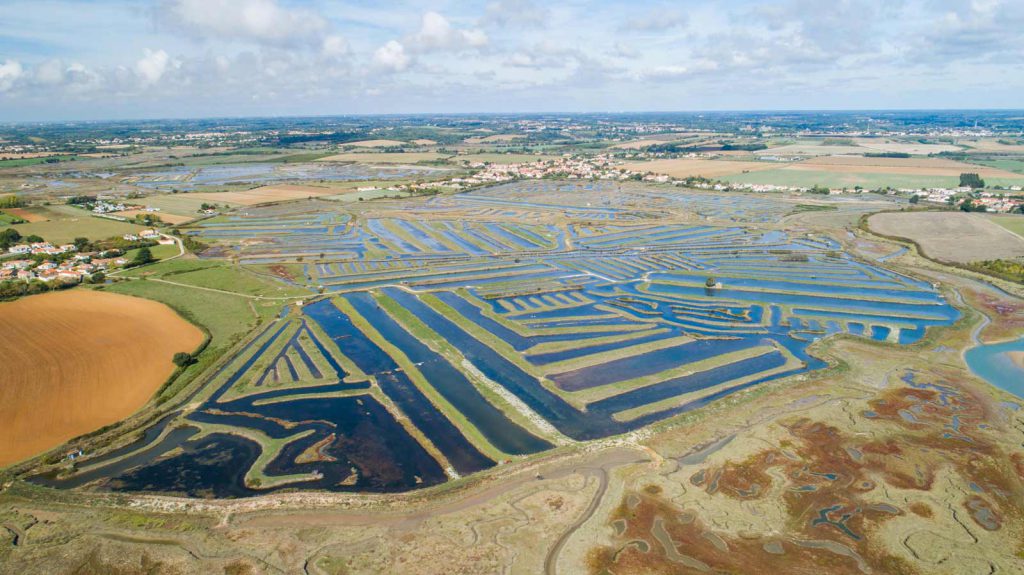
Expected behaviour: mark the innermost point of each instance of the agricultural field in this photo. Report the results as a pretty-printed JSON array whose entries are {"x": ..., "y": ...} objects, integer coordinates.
[
  {"x": 952, "y": 236},
  {"x": 1014, "y": 223},
  {"x": 686, "y": 167},
  {"x": 61, "y": 224},
  {"x": 75, "y": 361},
  {"x": 166, "y": 217},
  {"x": 262, "y": 195}
]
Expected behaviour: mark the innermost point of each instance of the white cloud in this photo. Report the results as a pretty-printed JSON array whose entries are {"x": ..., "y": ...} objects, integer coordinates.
[
  {"x": 436, "y": 33},
  {"x": 260, "y": 21},
  {"x": 334, "y": 46},
  {"x": 10, "y": 72},
  {"x": 392, "y": 56},
  {"x": 152, "y": 66},
  {"x": 49, "y": 73}
]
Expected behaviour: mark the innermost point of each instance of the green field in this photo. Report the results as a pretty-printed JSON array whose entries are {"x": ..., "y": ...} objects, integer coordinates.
[
  {"x": 1014, "y": 165},
  {"x": 67, "y": 223},
  {"x": 178, "y": 204},
  {"x": 160, "y": 252},
  {"x": 1014, "y": 223},
  {"x": 227, "y": 317},
  {"x": 28, "y": 162},
  {"x": 6, "y": 219},
  {"x": 217, "y": 275}
]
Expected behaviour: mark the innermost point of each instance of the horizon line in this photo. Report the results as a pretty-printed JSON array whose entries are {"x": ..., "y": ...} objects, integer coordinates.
[{"x": 495, "y": 114}]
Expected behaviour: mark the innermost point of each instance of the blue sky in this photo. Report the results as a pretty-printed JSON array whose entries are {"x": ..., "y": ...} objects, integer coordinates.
[{"x": 98, "y": 59}]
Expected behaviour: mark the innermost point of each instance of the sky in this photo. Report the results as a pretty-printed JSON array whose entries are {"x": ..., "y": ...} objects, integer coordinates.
[{"x": 123, "y": 59}]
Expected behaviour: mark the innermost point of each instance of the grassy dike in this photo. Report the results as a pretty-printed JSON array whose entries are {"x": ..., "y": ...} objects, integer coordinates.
[
  {"x": 440, "y": 345},
  {"x": 418, "y": 380},
  {"x": 270, "y": 448},
  {"x": 409, "y": 367}
]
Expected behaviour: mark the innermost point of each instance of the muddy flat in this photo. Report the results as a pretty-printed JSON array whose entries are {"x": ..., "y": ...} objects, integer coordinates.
[{"x": 77, "y": 360}]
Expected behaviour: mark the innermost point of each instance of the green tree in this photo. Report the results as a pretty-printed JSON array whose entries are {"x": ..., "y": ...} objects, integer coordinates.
[
  {"x": 34, "y": 239},
  {"x": 143, "y": 256},
  {"x": 182, "y": 359},
  {"x": 11, "y": 201},
  {"x": 971, "y": 180},
  {"x": 915, "y": 199},
  {"x": 711, "y": 282},
  {"x": 9, "y": 237}
]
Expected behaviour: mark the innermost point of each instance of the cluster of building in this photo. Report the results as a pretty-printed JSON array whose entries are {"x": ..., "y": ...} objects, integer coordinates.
[
  {"x": 149, "y": 234},
  {"x": 40, "y": 248},
  {"x": 993, "y": 201},
  {"x": 105, "y": 207},
  {"x": 999, "y": 204},
  {"x": 599, "y": 167},
  {"x": 74, "y": 269}
]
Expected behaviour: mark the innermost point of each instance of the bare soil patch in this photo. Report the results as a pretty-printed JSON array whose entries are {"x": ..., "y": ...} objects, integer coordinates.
[
  {"x": 74, "y": 361},
  {"x": 27, "y": 215},
  {"x": 951, "y": 236}
]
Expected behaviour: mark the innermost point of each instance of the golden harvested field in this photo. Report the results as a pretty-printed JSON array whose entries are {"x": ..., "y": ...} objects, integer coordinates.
[
  {"x": 172, "y": 219},
  {"x": 77, "y": 360},
  {"x": 263, "y": 195},
  {"x": 424, "y": 142},
  {"x": 685, "y": 167},
  {"x": 951, "y": 236},
  {"x": 375, "y": 143},
  {"x": 384, "y": 158}
]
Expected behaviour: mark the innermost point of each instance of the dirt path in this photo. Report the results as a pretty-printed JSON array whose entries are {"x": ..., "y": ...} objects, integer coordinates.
[
  {"x": 551, "y": 560},
  {"x": 404, "y": 521}
]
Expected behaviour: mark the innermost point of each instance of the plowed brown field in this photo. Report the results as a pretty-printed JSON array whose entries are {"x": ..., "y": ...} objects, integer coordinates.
[{"x": 74, "y": 361}]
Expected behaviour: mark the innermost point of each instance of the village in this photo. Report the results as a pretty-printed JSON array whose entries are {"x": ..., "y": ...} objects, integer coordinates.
[
  {"x": 607, "y": 167},
  {"x": 67, "y": 263}
]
